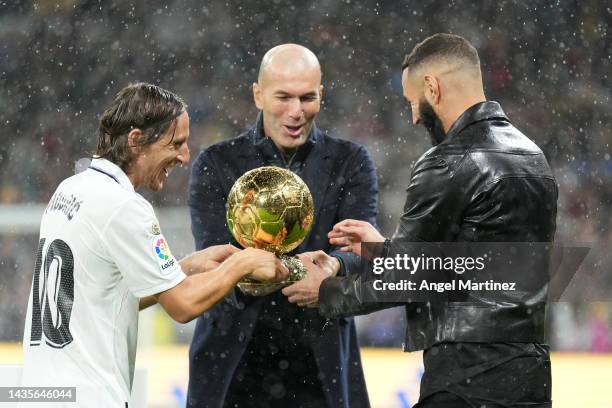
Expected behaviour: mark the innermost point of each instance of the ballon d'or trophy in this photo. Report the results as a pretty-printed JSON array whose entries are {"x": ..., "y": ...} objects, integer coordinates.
[{"x": 270, "y": 208}]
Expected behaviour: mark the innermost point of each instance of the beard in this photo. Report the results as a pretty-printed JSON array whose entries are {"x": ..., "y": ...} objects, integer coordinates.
[{"x": 431, "y": 122}]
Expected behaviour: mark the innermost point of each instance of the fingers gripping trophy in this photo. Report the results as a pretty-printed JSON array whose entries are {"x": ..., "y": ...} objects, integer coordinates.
[{"x": 270, "y": 208}]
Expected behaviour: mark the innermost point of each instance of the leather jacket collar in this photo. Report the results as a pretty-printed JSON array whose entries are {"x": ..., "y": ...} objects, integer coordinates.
[{"x": 486, "y": 110}]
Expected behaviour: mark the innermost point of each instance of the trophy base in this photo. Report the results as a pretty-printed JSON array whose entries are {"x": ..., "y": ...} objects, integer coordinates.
[{"x": 297, "y": 271}]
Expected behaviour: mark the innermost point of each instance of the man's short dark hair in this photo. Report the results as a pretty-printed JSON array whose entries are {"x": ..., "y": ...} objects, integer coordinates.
[
  {"x": 440, "y": 46},
  {"x": 137, "y": 106}
]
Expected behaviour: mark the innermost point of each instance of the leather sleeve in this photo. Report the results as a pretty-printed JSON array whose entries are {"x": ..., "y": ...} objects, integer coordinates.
[
  {"x": 432, "y": 206},
  {"x": 341, "y": 297}
]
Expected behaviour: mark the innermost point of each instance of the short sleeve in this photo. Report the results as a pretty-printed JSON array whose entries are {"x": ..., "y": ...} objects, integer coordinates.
[{"x": 136, "y": 244}]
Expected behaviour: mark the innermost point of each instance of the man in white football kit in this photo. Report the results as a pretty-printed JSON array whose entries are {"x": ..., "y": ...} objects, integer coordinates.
[{"x": 102, "y": 256}]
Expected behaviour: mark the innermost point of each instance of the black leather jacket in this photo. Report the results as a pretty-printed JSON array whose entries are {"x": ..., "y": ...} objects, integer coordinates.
[{"x": 486, "y": 182}]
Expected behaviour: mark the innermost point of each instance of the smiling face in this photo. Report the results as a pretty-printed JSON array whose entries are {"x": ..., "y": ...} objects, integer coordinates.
[
  {"x": 289, "y": 94},
  {"x": 289, "y": 102},
  {"x": 153, "y": 163}
]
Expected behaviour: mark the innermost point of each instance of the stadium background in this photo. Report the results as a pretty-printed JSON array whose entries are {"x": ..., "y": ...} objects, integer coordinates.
[{"x": 547, "y": 63}]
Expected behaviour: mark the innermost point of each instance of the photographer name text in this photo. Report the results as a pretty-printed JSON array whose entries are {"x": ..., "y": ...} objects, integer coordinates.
[{"x": 449, "y": 286}]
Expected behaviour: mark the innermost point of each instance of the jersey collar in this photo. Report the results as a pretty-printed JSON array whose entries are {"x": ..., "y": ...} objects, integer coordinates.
[{"x": 111, "y": 170}]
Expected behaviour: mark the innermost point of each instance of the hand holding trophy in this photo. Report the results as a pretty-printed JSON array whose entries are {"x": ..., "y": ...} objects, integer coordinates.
[{"x": 270, "y": 208}]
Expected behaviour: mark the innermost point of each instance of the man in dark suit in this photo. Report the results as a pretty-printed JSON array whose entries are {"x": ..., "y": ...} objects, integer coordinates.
[{"x": 264, "y": 351}]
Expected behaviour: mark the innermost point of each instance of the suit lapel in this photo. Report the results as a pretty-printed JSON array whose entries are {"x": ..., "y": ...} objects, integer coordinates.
[
  {"x": 248, "y": 158},
  {"x": 316, "y": 174}
]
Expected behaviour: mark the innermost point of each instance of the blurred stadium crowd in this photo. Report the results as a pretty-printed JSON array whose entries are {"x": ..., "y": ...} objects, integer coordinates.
[{"x": 547, "y": 63}]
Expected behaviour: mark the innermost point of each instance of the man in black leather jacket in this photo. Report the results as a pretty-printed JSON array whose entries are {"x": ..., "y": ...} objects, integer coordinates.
[{"x": 483, "y": 181}]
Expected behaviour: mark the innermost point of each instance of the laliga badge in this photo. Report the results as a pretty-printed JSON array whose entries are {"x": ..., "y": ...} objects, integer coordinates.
[
  {"x": 162, "y": 254},
  {"x": 155, "y": 229}
]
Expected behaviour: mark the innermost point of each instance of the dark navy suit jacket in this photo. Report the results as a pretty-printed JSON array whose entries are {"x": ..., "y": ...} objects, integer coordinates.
[{"x": 342, "y": 179}]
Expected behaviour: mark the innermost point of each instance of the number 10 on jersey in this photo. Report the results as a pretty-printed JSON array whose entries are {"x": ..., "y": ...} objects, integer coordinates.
[{"x": 52, "y": 295}]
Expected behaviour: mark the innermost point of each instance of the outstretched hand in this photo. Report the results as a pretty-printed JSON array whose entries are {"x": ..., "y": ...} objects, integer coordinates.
[
  {"x": 349, "y": 234},
  {"x": 216, "y": 254},
  {"x": 264, "y": 266},
  {"x": 320, "y": 266}
]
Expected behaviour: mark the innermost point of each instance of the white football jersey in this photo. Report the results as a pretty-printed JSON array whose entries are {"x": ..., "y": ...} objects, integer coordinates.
[{"x": 100, "y": 250}]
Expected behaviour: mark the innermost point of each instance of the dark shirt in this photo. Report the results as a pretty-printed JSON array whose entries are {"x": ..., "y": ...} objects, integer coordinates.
[{"x": 295, "y": 162}]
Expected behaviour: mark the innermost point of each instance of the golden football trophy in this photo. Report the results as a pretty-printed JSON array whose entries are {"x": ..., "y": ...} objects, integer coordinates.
[{"x": 270, "y": 208}]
